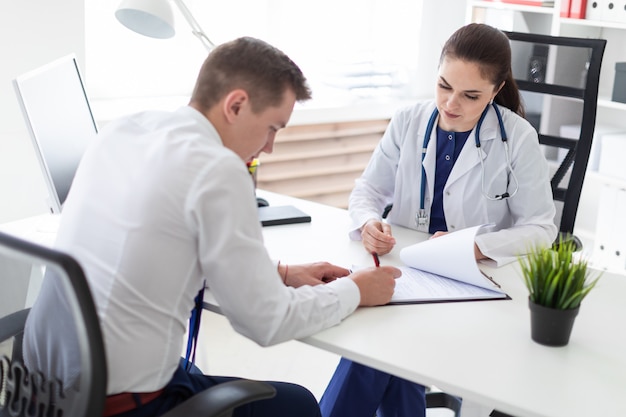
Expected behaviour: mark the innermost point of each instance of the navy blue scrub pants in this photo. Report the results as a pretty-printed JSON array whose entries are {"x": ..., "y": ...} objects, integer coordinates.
[
  {"x": 357, "y": 390},
  {"x": 291, "y": 400}
]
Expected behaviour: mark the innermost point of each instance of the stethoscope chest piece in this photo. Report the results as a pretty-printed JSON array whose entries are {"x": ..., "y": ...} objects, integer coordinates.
[{"x": 421, "y": 217}]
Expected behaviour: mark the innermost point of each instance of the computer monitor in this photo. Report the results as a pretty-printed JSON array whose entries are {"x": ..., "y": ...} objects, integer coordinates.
[{"x": 60, "y": 122}]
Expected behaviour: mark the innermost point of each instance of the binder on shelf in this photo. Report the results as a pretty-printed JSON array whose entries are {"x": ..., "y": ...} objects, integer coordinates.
[
  {"x": 621, "y": 11},
  {"x": 602, "y": 242},
  {"x": 609, "y": 251},
  {"x": 614, "y": 11},
  {"x": 594, "y": 9},
  {"x": 541, "y": 3},
  {"x": 618, "y": 258},
  {"x": 565, "y": 6},
  {"x": 577, "y": 9}
]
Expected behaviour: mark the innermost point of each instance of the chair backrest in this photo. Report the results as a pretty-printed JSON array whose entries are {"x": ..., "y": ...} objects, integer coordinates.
[
  {"x": 558, "y": 78},
  {"x": 70, "y": 377}
]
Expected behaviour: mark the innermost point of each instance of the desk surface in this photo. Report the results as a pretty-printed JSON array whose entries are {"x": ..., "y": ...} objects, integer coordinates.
[{"x": 481, "y": 351}]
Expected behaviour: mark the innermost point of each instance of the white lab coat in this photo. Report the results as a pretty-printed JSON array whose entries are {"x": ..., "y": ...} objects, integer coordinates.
[{"x": 393, "y": 176}]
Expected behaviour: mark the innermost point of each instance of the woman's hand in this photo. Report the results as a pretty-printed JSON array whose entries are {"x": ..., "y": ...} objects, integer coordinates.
[
  {"x": 477, "y": 252},
  {"x": 376, "y": 237}
]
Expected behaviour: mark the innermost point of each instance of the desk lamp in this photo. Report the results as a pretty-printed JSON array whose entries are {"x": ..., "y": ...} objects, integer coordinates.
[{"x": 154, "y": 18}]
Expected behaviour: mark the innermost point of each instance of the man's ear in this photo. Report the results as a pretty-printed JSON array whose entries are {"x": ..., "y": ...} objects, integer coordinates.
[{"x": 233, "y": 103}]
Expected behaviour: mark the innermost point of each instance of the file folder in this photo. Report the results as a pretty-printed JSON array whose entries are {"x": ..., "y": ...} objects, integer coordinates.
[
  {"x": 577, "y": 9},
  {"x": 277, "y": 215}
]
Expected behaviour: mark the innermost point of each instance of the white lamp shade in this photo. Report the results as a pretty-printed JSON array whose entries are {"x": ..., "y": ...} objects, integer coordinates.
[{"x": 153, "y": 18}]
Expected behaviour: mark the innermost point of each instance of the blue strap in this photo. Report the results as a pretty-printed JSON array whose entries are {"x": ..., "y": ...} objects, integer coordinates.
[
  {"x": 429, "y": 130},
  {"x": 194, "y": 329},
  {"x": 480, "y": 123}
]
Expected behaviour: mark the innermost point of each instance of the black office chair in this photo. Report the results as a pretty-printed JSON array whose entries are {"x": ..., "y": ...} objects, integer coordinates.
[
  {"x": 558, "y": 78},
  {"x": 562, "y": 75},
  {"x": 438, "y": 399},
  {"x": 28, "y": 392}
]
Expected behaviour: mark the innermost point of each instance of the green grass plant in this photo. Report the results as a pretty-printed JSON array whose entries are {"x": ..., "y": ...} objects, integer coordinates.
[{"x": 554, "y": 279}]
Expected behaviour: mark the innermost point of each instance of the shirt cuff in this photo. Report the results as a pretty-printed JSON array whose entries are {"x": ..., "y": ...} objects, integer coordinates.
[{"x": 348, "y": 294}]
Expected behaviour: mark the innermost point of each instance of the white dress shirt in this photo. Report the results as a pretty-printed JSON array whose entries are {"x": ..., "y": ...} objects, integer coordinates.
[
  {"x": 159, "y": 206},
  {"x": 394, "y": 175}
]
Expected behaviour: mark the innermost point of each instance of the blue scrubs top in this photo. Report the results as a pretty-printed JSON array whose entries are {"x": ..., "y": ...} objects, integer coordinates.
[{"x": 449, "y": 145}]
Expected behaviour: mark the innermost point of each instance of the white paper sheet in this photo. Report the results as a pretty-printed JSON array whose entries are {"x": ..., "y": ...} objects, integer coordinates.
[{"x": 444, "y": 268}]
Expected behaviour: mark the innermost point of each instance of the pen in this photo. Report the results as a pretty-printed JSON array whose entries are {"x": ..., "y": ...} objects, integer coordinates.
[{"x": 376, "y": 261}]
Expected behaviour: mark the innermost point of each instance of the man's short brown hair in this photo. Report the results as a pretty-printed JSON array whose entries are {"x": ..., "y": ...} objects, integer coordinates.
[{"x": 253, "y": 65}]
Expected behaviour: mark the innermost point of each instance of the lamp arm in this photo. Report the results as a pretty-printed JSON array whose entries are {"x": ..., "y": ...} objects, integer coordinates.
[{"x": 195, "y": 27}]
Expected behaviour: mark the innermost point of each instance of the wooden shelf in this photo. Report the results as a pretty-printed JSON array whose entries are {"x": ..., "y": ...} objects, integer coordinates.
[{"x": 320, "y": 162}]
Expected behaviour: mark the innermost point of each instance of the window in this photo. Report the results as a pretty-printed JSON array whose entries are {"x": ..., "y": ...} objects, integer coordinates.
[{"x": 345, "y": 48}]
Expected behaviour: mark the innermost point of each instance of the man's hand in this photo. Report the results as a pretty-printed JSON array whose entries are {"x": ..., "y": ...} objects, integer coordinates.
[
  {"x": 376, "y": 237},
  {"x": 376, "y": 284},
  {"x": 310, "y": 274}
]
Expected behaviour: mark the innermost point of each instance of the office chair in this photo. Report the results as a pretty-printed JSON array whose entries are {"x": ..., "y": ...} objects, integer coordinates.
[
  {"x": 564, "y": 73},
  {"x": 437, "y": 399},
  {"x": 559, "y": 78},
  {"x": 27, "y": 392}
]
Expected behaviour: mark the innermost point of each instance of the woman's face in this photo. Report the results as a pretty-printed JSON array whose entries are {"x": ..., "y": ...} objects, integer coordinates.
[{"x": 461, "y": 94}]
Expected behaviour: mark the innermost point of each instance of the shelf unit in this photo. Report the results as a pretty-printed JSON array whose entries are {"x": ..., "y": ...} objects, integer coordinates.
[
  {"x": 547, "y": 20},
  {"x": 611, "y": 115}
]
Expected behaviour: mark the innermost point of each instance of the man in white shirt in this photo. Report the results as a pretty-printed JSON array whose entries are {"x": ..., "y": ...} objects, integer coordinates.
[{"x": 161, "y": 204}]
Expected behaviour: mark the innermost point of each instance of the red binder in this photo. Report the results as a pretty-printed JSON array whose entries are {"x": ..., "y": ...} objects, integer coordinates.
[
  {"x": 577, "y": 9},
  {"x": 565, "y": 6},
  {"x": 538, "y": 3}
]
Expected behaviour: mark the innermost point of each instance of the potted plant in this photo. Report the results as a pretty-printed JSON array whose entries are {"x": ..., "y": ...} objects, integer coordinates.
[{"x": 557, "y": 284}]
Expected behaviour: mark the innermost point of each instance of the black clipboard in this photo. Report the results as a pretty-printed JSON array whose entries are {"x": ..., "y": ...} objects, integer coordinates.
[
  {"x": 506, "y": 297},
  {"x": 277, "y": 215},
  {"x": 426, "y": 287}
]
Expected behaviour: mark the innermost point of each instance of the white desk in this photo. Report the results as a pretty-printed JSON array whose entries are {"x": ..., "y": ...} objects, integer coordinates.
[{"x": 481, "y": 351}]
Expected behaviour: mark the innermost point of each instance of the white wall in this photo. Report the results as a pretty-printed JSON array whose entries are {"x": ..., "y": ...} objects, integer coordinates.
[
  {"x": 35, "y": 32},
  {"x": 439, "y": 19},
  {"x": 32, "y": 33},
  {"x": 323, "y": 36}
]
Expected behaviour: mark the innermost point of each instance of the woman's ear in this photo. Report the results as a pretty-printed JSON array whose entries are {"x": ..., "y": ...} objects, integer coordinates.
[
  {"x": 500, "y": 88},
  {"x": 496, "y": 92}
]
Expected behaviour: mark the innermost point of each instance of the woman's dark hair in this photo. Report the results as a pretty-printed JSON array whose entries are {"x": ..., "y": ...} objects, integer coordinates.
[
  {"x": 490, "y": 49},
  {"x": 253, "y": 65}
]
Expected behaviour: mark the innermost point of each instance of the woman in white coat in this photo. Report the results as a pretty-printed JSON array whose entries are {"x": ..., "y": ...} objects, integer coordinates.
[{"x": 467, "y": 181}]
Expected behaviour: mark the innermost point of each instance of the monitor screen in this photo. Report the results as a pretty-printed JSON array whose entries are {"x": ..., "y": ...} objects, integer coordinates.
[{"x": 60, "y": 122}]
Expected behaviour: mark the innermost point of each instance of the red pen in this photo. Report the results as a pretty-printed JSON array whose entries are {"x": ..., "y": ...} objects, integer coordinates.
[{"x": 376, "y": 261}]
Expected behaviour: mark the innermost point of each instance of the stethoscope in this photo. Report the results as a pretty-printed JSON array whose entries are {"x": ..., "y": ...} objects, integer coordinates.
[{"x": 421, "y": 218}]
